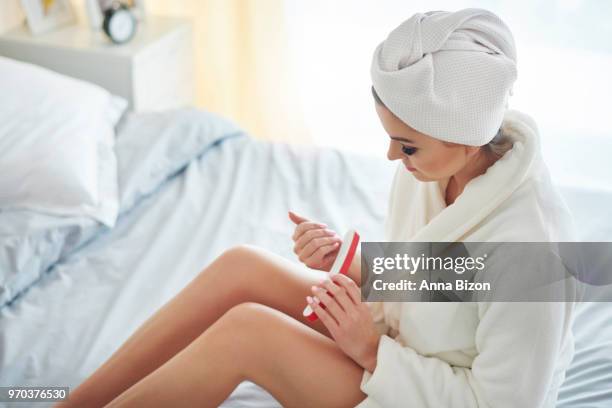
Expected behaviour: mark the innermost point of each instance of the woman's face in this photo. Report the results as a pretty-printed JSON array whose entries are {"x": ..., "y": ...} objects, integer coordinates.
[{"x": 428, "y": 159}]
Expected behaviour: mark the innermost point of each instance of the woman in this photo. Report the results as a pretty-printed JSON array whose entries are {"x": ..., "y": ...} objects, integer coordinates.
[{"x": 470, "y": 171}]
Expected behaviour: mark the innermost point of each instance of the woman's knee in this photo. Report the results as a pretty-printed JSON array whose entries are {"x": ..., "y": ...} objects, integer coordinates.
[
  {"x": 238, "y": 254},
  {"x": 251, "y": 266},
  {"x": 242, "y": 250},
  {"x": 253, "y": 273},
  {"x": 235, "y": 264},
  {"x": 243, "y": 323},
  {"x": 242, "y": 332},
  {"x": 242, "y": 259},
  {"x": 247, "y": 314},
  {"x": 253, "y": 320}
]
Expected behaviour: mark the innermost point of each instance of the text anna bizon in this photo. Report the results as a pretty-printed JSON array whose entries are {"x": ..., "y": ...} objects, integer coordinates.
[{"x": 425, "y": 285}]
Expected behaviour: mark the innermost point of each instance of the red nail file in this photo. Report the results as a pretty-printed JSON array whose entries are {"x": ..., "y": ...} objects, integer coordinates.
[{"x": 341, "y": 264}]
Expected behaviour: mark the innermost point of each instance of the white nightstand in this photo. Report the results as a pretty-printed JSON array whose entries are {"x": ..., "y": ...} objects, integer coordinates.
[{"x": 154, "y": 71}]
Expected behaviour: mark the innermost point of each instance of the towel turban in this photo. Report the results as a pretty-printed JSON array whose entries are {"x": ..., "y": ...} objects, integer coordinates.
[{"x": 448, "y": 74}]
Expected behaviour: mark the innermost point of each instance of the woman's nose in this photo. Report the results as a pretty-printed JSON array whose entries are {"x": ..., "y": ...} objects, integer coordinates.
[{"x": 394, "y": 152}]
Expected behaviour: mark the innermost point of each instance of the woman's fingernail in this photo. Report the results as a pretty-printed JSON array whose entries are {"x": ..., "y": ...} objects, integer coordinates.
[{"x": 309, "y": 299}]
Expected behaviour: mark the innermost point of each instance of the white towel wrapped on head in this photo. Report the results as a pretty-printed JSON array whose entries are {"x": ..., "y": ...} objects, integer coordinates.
[{"x": 448, "y": 75}]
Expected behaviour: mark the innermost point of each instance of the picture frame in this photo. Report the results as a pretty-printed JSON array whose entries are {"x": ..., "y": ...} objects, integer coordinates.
[
  {"x": 45, "y": 15},
  {"x": 95, "y": 10}
]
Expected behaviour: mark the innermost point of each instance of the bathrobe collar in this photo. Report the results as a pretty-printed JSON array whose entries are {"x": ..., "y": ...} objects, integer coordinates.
[{"x": 481, "y": 195}]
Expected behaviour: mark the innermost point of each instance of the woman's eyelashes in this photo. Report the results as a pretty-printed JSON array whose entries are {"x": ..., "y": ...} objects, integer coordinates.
[{"x": 409, "y": 150}]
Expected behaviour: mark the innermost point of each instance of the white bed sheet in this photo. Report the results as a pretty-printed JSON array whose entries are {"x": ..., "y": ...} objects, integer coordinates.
[{"x": 63, "y": 328}]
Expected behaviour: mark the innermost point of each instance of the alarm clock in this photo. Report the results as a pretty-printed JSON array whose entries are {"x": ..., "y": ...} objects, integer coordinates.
[{"x": 119, "y": 23}]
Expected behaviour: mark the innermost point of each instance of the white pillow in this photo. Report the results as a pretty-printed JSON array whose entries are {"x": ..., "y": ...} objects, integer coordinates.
[{"x": 56, "y": 143}]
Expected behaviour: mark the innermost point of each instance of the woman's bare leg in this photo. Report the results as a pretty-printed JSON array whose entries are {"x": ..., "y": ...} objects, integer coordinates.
[
  {"x": 297, "y": 365},
  {"x": 241, "y": 274}
]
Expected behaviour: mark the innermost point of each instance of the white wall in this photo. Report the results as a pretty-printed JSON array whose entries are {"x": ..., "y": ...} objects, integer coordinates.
[
  {"x": 564, "y": 61},
  {"x": 10, "y": 14}
]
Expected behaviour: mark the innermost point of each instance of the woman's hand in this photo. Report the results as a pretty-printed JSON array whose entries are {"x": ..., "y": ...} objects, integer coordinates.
[
  {"x": 315, "y": 245},
  {"x": 348, "y": 320}
]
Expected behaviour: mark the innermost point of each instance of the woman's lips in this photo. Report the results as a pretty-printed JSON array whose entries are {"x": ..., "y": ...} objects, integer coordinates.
[{"x": 409, "y": 168}]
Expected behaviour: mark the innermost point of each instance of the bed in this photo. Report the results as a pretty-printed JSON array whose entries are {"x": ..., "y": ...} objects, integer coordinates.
[
  {"x": 191, "y": 186},
  {"x": 235, "y": 190}
]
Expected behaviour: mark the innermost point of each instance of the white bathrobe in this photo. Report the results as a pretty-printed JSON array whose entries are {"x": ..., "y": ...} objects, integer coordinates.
[{"x": 475, "y": 354}]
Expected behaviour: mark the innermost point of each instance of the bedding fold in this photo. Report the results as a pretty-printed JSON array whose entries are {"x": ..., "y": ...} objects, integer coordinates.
[{"x": 151, "y": 149}]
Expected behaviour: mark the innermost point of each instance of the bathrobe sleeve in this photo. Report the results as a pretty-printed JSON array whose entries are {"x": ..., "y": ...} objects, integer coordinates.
[{"x": 512, "y": 339}]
